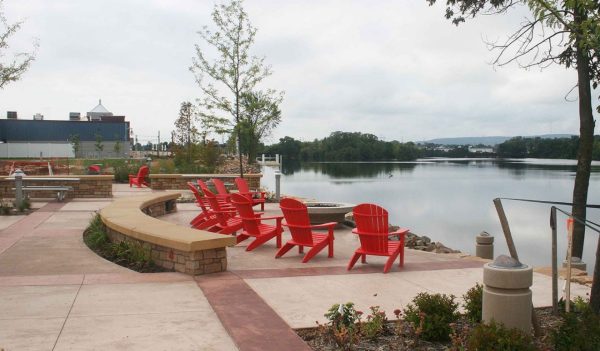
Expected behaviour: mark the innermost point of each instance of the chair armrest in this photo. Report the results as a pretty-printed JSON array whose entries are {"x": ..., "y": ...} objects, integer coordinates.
[
  {"x": 324, "y": 225},
  {"x": 273, "y": 217},
  {"x": 401, "y": 231}
]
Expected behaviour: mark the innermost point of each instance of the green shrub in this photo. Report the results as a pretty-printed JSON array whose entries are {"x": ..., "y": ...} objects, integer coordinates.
[
  {"x": 95, "y": 235},
  {"x": 473, "y": 303},
  {"x": 375, "y": 324},
  {"x": 580, "y": 329},
  {"x": 431, "y": 315},
  {"x": 496, "y": 337}
]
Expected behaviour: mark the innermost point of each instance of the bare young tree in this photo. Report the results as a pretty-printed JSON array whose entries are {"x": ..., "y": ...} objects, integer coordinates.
[
  {"x": 565, "y": 32},
  {"x": 186, "y": 134},
  {"x": 224, "y": 79},
  {"x": 13, "y": 66}
]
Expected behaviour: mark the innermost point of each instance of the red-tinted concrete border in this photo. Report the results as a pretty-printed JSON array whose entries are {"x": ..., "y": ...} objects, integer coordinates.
[
  {"x": 250, "y": 322},
  {"x": 358, "y": 269}
]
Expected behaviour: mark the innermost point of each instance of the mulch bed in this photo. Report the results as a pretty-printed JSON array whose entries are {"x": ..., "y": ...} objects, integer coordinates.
[{"x": 399, "y": 335}]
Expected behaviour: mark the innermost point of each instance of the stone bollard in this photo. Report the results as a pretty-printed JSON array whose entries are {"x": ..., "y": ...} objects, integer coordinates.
[
  {"x": 18, "y": 186},
  {"x": 506, "y": 293},
  {"x": 484, "y": 247},
  {"x": 277, "y": 185}
]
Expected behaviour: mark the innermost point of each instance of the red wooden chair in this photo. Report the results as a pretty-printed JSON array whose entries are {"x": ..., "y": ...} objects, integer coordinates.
[
  {"x": 228, "y": 222},
  {"x": 257, "y": 197},
  {"x": 296, "y": 219},
  {"x": 140, "y": 178},
  {"x": 206, "y": 219},
  {"x": 372, "y": 229},
  {"x": 222, "y": 200},
  {"x": 253, "y": 226},
  {"x": 222, "y": 192}
]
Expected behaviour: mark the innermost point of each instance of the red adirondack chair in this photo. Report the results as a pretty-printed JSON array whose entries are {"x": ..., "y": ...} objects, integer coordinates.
[
  {"x": 223, "y": 193},
  {"x": 372, "y": 229},
  {"x": 296, "y": 219},
  {"x": 206, "y": 219},
  {"x": 140, "y": 178},
  {"x": 222, "y": 200},
  {"x": 228, "y": 223},
  {"x": 253, "y": 226},
  {"x": 257, "y": 197}
]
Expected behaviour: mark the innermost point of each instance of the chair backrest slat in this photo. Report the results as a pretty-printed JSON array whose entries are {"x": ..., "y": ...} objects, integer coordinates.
[
  {"x": 250, "y": 222},
  {"x": 220, "y": 186},
  {"x": 142, "y": 172},
  {"x": 242, "y": 185},
  {"x": 214, "y": 204},
  {"x": 372, "y": 227},
  {"x": 296, "y": 217}
]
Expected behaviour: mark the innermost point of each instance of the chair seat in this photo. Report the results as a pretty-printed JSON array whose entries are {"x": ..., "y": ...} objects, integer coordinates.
[
  {"x": 316, "y": 239},
  {"x": 393, "y": 246}
]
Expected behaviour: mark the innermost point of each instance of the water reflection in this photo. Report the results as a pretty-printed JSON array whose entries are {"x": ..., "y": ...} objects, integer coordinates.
[{"x": 450, "y": 200}]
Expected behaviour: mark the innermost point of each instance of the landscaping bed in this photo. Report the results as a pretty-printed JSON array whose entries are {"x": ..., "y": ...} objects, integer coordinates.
[
  {"x": 432, "y": 322},
  {"x": 127, "y": 254}
]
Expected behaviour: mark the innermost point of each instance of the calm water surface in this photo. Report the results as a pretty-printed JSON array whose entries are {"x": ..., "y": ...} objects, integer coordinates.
[{"x": 450, "y": 200}]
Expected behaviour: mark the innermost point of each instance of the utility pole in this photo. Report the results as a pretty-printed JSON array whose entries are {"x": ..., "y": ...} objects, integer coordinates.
[{"x": 158, "y": 146}]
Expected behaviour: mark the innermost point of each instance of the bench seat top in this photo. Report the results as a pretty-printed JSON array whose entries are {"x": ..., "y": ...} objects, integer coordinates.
[{"x": 126, "y": 217}]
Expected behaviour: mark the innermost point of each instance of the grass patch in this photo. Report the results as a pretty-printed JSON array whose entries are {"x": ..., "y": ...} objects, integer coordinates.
[{"x": 131, "y": 255}]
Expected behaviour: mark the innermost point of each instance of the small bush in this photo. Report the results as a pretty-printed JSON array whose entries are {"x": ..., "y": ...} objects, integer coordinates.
[
  {"x": 342, "y": 324},
  {"x": 431, "y": 315},
  {"x": 473, "y": 303},
  {"x": 496, "y": 337},
  {"x": 580, "y": 329},
  {"x": 375, "y": 324}
]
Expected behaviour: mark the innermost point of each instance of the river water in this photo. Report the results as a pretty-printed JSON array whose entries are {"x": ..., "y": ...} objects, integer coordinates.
[{"x": 450, "y": 200}]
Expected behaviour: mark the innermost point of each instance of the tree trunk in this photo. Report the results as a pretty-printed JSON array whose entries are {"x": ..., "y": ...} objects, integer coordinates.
[{"x": 584, "y": 152}]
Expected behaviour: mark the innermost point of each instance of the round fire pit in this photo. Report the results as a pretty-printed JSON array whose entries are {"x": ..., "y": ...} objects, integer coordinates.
[{"x": 323, "y": 212}]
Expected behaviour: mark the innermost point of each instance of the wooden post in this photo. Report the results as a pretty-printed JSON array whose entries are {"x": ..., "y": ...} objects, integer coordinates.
[
  {"x": 506, "y": 229},
  {"x": 554, "y": 263},
  {"x": 569, "y": 255}
]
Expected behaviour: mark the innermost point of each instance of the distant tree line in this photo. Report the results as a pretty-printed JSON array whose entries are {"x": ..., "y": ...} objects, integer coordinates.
[
  {"x": 559, "y": 148},
  {"x": 344, "y": 146}
]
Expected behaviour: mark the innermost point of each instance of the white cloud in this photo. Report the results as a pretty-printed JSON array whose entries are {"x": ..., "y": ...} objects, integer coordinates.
[{"x": 397, "y": 69}]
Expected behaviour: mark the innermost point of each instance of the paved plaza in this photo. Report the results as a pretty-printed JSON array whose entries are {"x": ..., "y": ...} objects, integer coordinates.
[{"x": 56, "y": 294}]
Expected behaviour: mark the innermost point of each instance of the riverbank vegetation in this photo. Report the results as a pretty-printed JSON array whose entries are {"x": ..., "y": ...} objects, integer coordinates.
[{"x": 344, "y": 146}]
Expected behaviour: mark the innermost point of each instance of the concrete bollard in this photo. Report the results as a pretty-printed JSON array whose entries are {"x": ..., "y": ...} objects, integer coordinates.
[
  {"x": 506, "y": 293},
  {"x": 484, "y": 247},
  {"x": 18, "y": 186},
  {"x": 277, "y": 185},
  {"x": 576, "y": 262}
]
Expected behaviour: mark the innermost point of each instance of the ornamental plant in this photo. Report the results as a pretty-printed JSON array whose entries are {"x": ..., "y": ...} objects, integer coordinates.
[
  {"x": 473, "y": 303},
  {"x": 431, "y": 315}
]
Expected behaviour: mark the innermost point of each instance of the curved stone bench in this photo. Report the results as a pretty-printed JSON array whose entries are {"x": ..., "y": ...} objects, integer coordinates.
[{"x": 170, "y": 245}]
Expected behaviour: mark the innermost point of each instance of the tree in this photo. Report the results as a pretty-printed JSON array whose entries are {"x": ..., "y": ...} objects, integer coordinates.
[
  {"x": 261, "y": 115},
  {"x": 75, "y": 142},
  {"x": 99, "y": 145},
  {"x": 12, "y": 70},
  {"x": 186, "y": 134},
  {"x": 233, "y": 73},
  {"x": 559, "y": 31}
]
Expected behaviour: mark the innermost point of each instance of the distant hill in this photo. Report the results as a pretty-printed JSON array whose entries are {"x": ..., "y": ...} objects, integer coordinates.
[{"x": 491, "y": 140}]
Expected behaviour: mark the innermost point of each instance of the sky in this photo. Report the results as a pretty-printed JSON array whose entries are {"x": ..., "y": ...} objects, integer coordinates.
[{"x": 396, "y": 69}]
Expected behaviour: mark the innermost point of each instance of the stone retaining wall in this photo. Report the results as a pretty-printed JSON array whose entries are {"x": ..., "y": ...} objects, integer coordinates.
[
  {"x": 179, "y": 181},
  {"x": 88, "y": 186},
  {"x": 125, "y": 221}
]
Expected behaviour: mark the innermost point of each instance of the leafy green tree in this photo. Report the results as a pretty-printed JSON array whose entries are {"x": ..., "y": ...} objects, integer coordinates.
[
  {"x": 75, "y": 142},
  {"x": 234, "y": 71},
  {"x": 15, "y": 67},
  {"x": 558, "y": 31},
  {"x": 186, "y": 134},
  {"x": 261, "y": 115}
]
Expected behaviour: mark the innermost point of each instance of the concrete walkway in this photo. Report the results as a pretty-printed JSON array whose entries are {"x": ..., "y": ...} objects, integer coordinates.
[{"x": 55, "y": 294}]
